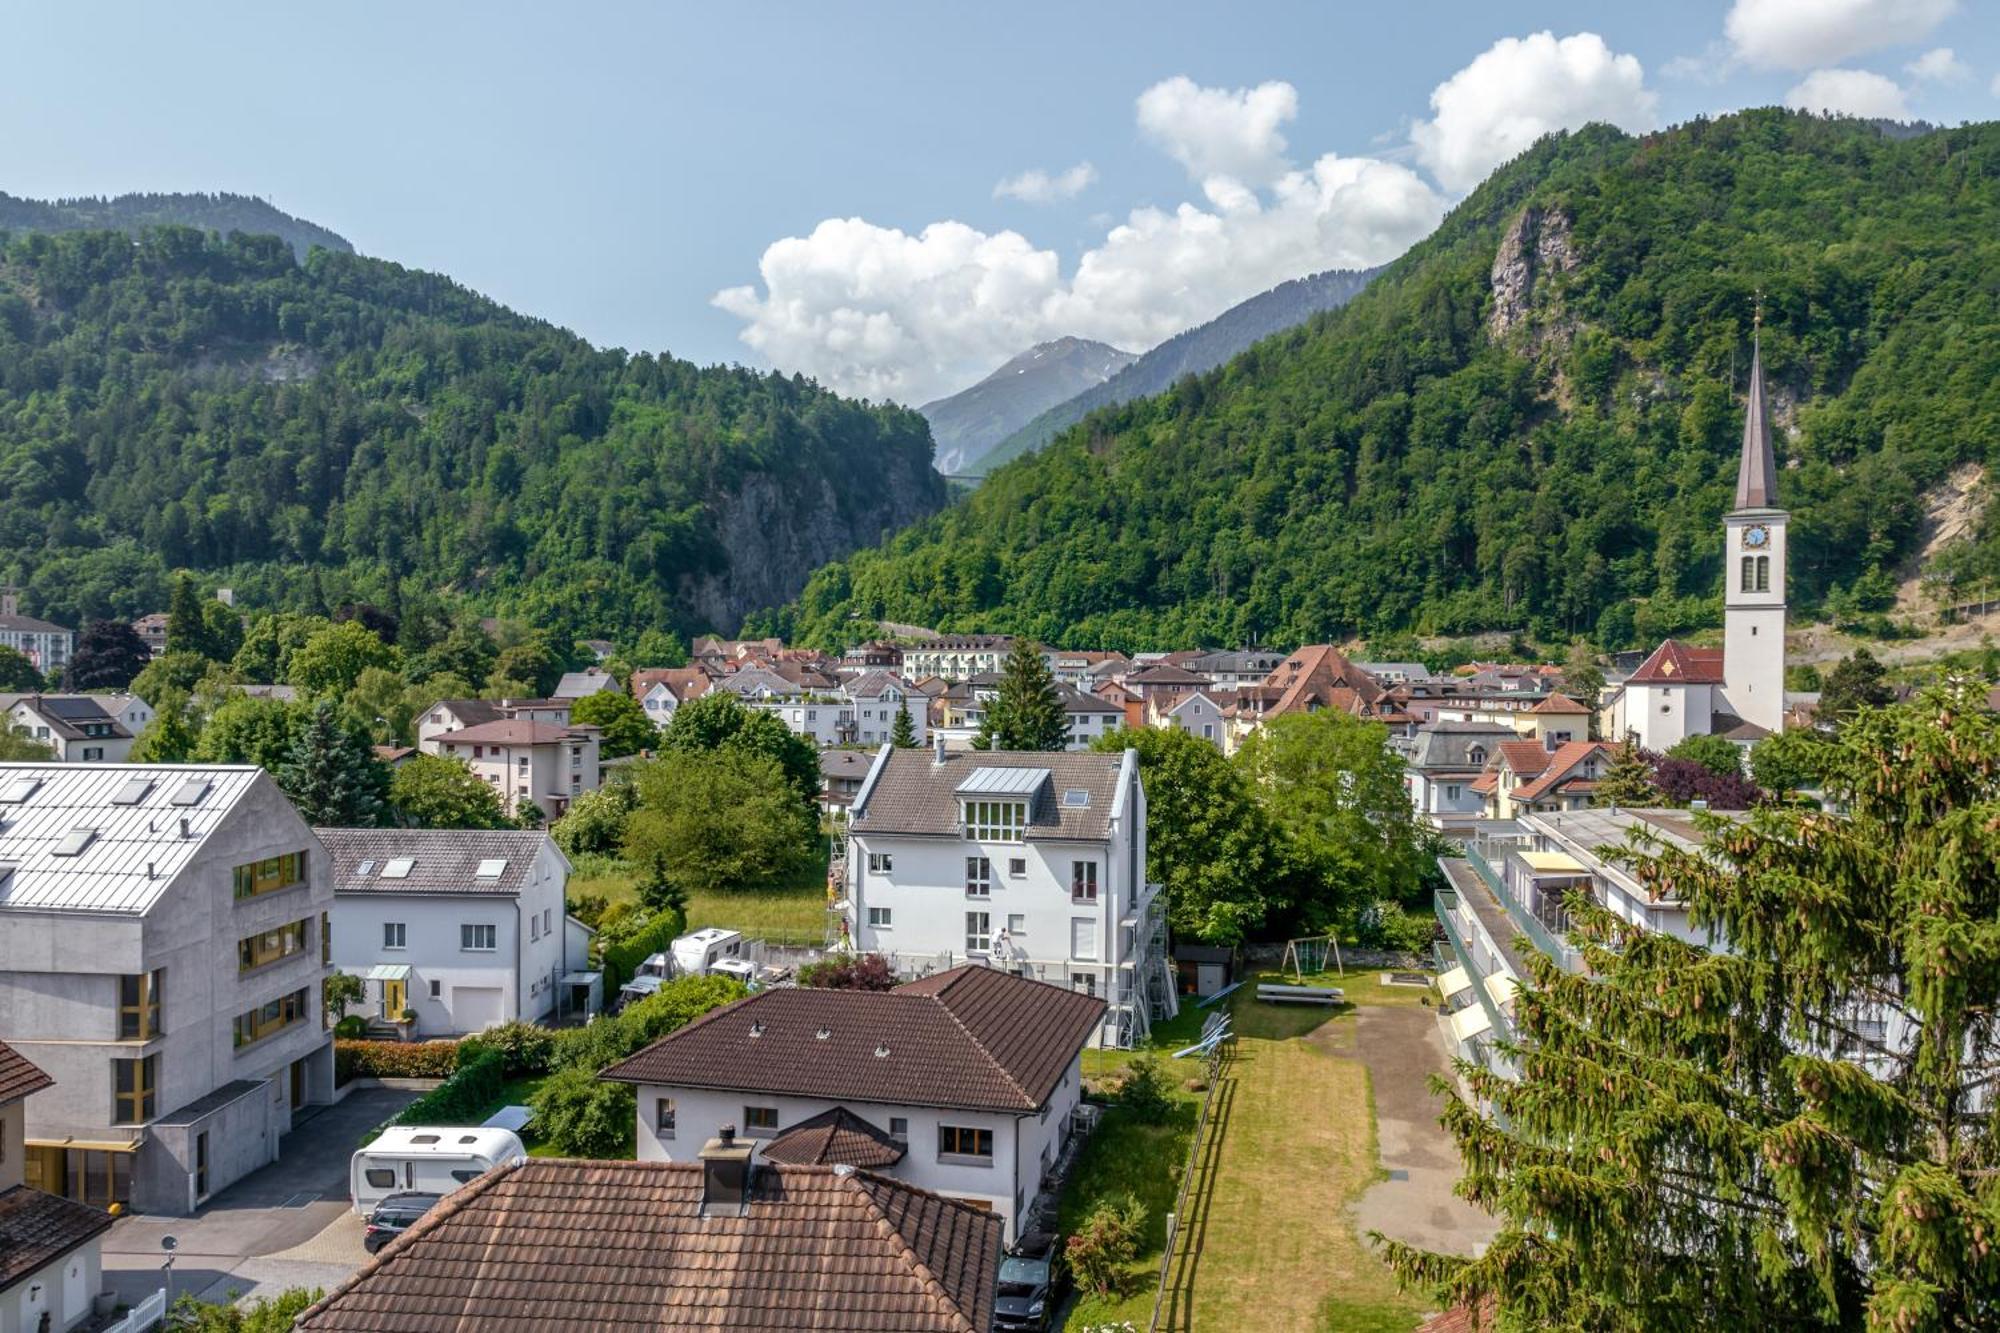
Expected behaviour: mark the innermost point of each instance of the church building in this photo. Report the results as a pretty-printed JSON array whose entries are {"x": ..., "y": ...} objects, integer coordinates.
[{"x": 1738, "y": 690}]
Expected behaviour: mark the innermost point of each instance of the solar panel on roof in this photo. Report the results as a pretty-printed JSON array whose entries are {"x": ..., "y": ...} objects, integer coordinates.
[
  {"x": 492, "y": 867},
  {"x": 399, "y": 868},
  {"x": 191, "y": 791},
  {"x": 133, "y": 792}
]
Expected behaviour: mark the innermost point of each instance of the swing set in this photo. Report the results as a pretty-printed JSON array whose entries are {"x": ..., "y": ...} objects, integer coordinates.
[{"x": 1309, "y": 953}]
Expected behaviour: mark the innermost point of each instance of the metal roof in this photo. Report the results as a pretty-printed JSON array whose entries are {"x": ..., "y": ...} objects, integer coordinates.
[
  {"x": 1003, "y": 782},
  {"x": 138, "y": 847}
]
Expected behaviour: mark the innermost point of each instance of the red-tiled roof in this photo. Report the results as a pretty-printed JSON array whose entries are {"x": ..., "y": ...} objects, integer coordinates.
[
  {"x": 684, "y": 683},
  {"x": 1560, "y": 764},
  {"x": 1523, "y": 758},
  {"x": 513, "y": 731},
  {"x": 1463, "y": 1319},
  {"x": 1559, "y": 703},
  {"x": 19, "y": 1075},
  {"x": 837, "y": 1137},
  {"x": 1677, "y": 663}
]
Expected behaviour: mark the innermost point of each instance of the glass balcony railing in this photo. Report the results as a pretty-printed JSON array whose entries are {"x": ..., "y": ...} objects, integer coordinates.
[
  {"x": 1550, "y": 942},
  {"x": 1455, "y": 930}
]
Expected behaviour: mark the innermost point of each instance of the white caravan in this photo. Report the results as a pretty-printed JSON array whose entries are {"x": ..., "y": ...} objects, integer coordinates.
[
  {"x": 433, "y": 1160},
  {"x": 697, "y": 953}
]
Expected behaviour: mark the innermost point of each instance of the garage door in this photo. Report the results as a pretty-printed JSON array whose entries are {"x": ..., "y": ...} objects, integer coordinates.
[{"x": 475, "y": 1007}]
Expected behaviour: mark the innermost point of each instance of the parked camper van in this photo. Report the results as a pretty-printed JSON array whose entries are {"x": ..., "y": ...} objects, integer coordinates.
[
  {"x": 411, "y": 1158},
  {"x": 696, "y": 953}
]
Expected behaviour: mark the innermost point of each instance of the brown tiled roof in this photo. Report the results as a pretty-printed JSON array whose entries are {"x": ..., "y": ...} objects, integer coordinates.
[
  {"x": 1559, "y": 765},
  {"x": 551, "y": 1244},
  {"x": 836, "y": 1137},
  {"x": 970, "y": 1039},
  {"x": 1559, "y": 703},
  {"x": 1319, "y": 675},
  {"x": 915, "y": 794},
  {"x": 1525, "y": 758},
  {"x": 36, "y": 1229},
  {"x": 1463, "y": 1319},
  {"x": 512, "y": 731},
  {"x": 1677, "y": 663},
  {"x": 19, "y": 1075},
  {"x": 685, "y": 683}
]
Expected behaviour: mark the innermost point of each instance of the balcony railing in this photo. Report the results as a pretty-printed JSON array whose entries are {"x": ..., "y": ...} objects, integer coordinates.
[
  {"x": 1565, "y": 954},
  {"x": 1455, "y": 931}
]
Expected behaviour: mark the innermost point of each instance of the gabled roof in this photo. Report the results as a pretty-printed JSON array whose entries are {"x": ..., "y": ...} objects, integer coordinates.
[
  {"x": 1678, "y": 663},
  {"x": 1564, "y": 762},
  {"x": 684, "y": 683},
  {"x": 916, "y": 793},
  {"x": 1560, "y": 703},
  {"x": 1319, "y": 675},
  {"x": 835, "y": 1137},
  {"x": 19, "y": 1075},
  {"x": 577, "y": 684},
  {"x": 37, "y": 1229},
  {"x": 969, "y": 1039},
  {"x": 1164, "y": 673},
  {"x": 68, "y": 714},
  {"x": 553, "y": 1244},
  {"x": 444, "y": 861},
  {"x": 1076, "y": 701},
  {"x": 1523, "y": 758},
  {"x": 873, "y": 684},
  {"x": 30, "y": 625}
]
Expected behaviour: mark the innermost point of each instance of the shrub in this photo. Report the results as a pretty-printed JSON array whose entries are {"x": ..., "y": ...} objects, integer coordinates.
[
  {"x": 869, "y": 971},
  {"x": 1144, "y": 1095},
  {"x": 461, "y": 1098},
  {"x": 622, "y": 959},
  {"x": 395, "y": 1059},
  {"x": 524, "y": 1048},
  {"x": 1105, "y": 1243},
  {"x": 351, "y": 1028},
  {"x": 580, "y": 1115}
]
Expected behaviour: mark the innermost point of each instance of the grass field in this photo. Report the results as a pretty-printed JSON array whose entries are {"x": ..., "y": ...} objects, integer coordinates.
[{"x": 796, "y": 911}]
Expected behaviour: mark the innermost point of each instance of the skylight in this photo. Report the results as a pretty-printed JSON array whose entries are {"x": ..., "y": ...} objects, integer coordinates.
[
  {"x": 75, "y": 841},
  {"x": 191, "y": 791},
  {"x": 399, "y": 868},
  {"x": 1076, "y": 798},
  {"x": 492, "y": 867},
  {"x": 365, "y": 868},
  {"x": 133, "y": 792},
  {"x": 20, "y": 789}
]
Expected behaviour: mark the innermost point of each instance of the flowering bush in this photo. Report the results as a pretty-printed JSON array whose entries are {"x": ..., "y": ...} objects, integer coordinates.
[{"x": 394, "y": 1059}]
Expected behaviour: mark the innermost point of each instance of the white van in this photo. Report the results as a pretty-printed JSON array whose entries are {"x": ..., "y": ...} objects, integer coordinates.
[
  {"x": 696, "y": 953},
  {"x": 435, "y": 1161}
]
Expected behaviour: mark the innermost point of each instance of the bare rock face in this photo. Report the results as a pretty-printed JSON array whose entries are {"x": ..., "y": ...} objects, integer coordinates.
[{"x": 1538, "y": 245}]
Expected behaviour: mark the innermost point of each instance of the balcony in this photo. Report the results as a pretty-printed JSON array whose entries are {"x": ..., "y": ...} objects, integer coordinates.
[
  {"x": 1541, "y": 934},
  {"x": 1447, "y": 912}
]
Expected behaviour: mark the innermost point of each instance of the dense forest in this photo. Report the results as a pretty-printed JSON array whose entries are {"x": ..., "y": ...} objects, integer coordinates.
[
  {"x": 1543, "y": 444},
  {"x": 221, "y": 213},
  {"x": 348, "y": 429}
]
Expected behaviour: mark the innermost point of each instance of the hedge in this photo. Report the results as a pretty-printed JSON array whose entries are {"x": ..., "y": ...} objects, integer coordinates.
[
  {"x": 462, "y": 1098},
  {"x": 622, "y": 960},
  {"x": 394, "y": 1059}
]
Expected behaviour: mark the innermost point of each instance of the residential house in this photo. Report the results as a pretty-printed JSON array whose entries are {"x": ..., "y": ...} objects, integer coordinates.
[
  {"x": 1198, "y": 712},
  {"x": 1088, "y": 716},
  {"x": 1032, "y": 862},
  {"x": 1162, "y": 678},
  {"x": 75, "y": 726},
  {"x": 1396, "y": 673},
  {"x": 558, "y": 1245},
  {"x": 1082, "y": 670},
  {"x": 875, "y": 655},
  {"x": 590, "y": 680},
  {"x": 47, "y": 647},
  {"x": 1314, "y": 677},
  {"x": 841, "y": 775},
  {"x": 462, "y": 927},
  {"x": 1555, "y": 721},
  {"x": 1526, "y": 776},
  {"x": 163, "y": 951},
  {"x": 531, "y": 765},
  {"x": 448, "y": 715},
  {"x": 1443, "y": 762},
  {"x": 601, "y": 649},
  {"x": 662, "y": 690},
  {"x": 725, "y": 654},
  {"x": 152, "y": 630},
  {"x": 1229, "y": 670},
  {"x": 964, "y": 1083},
  {"x": 51, "y": 1248},
  {"x": 876, "y": 697},
  {"x": 957, "y": 656}
]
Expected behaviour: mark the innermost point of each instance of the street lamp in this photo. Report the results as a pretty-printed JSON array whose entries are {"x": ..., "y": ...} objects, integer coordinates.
[{"x": 169, "y": 1244}]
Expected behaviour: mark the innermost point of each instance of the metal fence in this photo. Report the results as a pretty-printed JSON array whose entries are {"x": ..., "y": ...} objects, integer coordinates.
[{"x": 1204, "y": 1125}]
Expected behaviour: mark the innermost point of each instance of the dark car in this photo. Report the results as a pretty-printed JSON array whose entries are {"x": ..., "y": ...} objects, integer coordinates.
[
  {"x": 1035, "y": 1243},
  {"x": 1030, "y": 1293},
  {"x": 395, "y": 1215}
]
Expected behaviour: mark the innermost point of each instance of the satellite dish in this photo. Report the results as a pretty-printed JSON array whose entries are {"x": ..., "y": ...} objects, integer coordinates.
[{"x": 169, "y": 1244}]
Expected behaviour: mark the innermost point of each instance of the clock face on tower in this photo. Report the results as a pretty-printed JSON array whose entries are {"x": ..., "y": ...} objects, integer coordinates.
[{"x": 1756, "y": 536}]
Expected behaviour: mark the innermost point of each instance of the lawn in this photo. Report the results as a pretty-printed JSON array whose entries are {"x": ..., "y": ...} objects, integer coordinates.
[{"x": 795, "y": 912}]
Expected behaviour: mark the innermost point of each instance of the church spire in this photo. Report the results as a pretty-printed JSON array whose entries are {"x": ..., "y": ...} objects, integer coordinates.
[{"x": 1757, "y": 472}]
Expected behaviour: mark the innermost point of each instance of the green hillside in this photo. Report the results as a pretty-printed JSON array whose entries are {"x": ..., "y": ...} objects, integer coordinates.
[
  {"x": 351, "y": 428},
  {"x": 1439, "y": 458},
  {"x": 222, "y": 213}
]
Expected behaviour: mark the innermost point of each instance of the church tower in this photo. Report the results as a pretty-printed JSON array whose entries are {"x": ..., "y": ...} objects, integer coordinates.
[{"x": 1753, "y": 616}]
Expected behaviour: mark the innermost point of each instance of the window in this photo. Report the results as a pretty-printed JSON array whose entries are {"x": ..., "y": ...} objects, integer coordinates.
[
  {"x": 399, "y": 868},
  {"x": 1083, "y": 881},
  {"x": 269, "y": 947},
  {"x": 881, "y": 863},
  {"x": 380, "y": 1177},
  {"x": 1017, "y": 866},
  {"x": 534, "y": 926},
  {"x": 663, "y": 1117},
  {"x": 74, "y": 842},
  {"x": 760, "y": 1122},
  {"x": 491, "y": 868},
  {"x": 437, "y": 989},
  {"x": 1747, "y": 578},
  {"x": 478, "y": 938},
  {"x": 899, "y": 1128},
  {"x": 270, "y": 874},
  {"x": 879, "y": 917},
  {"x": 1476, "y": 755},
  {"x": 1017, "y": 925},
  {"x": 139, "y": 1007},
  {"x": 1763, "y": 573},
  {"x": 965, "y": 1141},
  {"x": 275, "y": 1016},
  {"x": 134, "y": 1085},
  {"x": 1083, "y": 938},
  {"x": 325, "y": 939},
  {"x": 978, "y": 932},
  {"x": 978, "y": 877},
  {"x": 1086, "y": 984},
  {"x": 995, "y": 821},
  {"x": 395, "y": 935},
  {"x": 1451, "y": 791},
  {"x": 465, "y": 1175},
  {"x": 201, "y": 1164},
  {"x": 1076, "y": 798}
]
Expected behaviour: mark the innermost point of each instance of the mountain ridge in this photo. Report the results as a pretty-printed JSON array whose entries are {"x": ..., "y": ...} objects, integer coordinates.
[
  {"x": 220, "y": 212},
  {"x": 968, "y": 423}
]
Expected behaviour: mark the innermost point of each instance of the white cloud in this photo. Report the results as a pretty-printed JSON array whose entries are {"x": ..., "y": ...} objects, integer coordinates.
[
  {"x": 1039, "y": 187},
  {"x": 1520, "y": 89},
  {"x": 1939, "y": 66},
  {"x": 1799, "y": 34},
  {"x": 1851, "y": 92},
  {"x": 1220, "y": 131}
]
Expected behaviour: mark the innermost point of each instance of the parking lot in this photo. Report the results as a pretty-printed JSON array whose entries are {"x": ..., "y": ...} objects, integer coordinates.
[{"x": 285, "y": 1225}]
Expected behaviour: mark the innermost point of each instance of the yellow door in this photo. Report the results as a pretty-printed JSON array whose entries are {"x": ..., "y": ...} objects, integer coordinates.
[{"x": 395, "y": 999}]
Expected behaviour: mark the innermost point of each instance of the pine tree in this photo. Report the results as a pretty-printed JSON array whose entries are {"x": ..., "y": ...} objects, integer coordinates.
[
  {"x": 903, "y": 733},
  {"x": 1629, "y": 780},
  {"x": 332, "y": 775},
  {"x": 1028, "y": 713},
  {"x": 1790, "y": 1130},
  {"x": 187, "y": 623}
]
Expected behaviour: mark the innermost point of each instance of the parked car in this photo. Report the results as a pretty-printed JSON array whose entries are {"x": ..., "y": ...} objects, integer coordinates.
[
  {"x": 395, "y": 1215},
  {"x": 1035, "y": 1242},
  {"x": 1030, "y": 1293}
]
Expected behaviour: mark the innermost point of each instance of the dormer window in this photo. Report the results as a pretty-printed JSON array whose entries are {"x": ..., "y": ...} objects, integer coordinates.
[
  {"x": 995, "y": 821},
  {"x": 1477, "y": 754}
]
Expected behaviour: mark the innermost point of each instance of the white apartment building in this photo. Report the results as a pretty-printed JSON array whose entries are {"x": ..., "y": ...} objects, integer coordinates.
[
  {"x": 532, "y": 765},
  {"x": 47, "y": 647},
  {"x": 956, "y": 656},
  {"x": 965, "y": 1083},
  {"x": 1030, "y": 862},
  {"x": 163, "y": 949},
  {"x": 463, "y": 927}
]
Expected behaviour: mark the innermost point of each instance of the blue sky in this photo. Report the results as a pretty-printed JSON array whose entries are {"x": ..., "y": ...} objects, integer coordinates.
[{"x": 614, "y": 167}]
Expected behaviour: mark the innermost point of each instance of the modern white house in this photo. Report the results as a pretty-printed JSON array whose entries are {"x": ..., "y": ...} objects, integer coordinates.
[
  {"x": 662, "y": 690},
  {"x": 80, "y": 728},
  {"x": 51, "y": 1248},
  {"x": 163, "y": 952},
  {"x": 47, "y": 646},
  {"x": 965, "y": 1083},
  {"x": 463, "y": 927},
  {"x": 1029, "y": 862},
  {"x": 1087, "y": 716},
  {"x": 531, "y": 764},
  {"x": 876, "y": 697},
  {"x": 1194, "y": 711}
]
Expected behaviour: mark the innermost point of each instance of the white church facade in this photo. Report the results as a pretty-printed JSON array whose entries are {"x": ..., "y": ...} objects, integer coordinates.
[{"x": 1738, "y": 690}]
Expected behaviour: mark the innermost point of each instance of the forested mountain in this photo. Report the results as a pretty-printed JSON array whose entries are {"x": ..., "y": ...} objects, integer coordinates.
[
  {"x": 222, "y": 213},
  {"x": 1189, "y": 352},
  {"x": 1529, "y": 420},
  {"x": 351, "y": 428},
  {"x": 972, "y": 421}
]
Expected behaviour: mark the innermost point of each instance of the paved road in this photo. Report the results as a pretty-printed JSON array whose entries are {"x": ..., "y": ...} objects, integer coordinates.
[{"x": 264, "y": 1232}]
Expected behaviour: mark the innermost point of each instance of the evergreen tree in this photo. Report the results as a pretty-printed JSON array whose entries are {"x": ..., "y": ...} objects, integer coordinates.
[
  {"x": 658, "y": 890},
  {"x": 109, "y": 653},
  {"x": 1856, "y": 681},
  {"x": 187, "y": 622},
  {"x": 903, "y": 732},
  {"x": 332, "y": 775},
  {"x": 1028, "y": 713},
  {"x": 1790, "y": 1130},
  {"x": 1628, "y": 782}
]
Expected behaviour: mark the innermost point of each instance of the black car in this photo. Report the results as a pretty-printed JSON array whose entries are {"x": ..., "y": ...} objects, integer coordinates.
[
  {"x": 395, "y": 1215},
  {"x": 1030, "y": 1293}
]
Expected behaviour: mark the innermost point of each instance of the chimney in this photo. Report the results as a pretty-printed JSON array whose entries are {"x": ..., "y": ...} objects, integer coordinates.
[
  {"x": 726, "y": 1168},
  {"x": 937, "y": 748}
]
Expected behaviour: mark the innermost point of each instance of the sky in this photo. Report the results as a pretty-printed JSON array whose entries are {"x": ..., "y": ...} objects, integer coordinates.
[{"x": 891, "y": 197}]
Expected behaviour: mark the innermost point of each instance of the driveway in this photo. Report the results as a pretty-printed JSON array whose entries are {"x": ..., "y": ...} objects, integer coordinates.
[{"x": 264, "y": 1232}]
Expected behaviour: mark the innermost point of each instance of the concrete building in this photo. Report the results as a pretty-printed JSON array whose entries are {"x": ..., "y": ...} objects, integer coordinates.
[
  {"x": 1031, "y": 862},
  {"x": 78, "y": 727},
  {"x": 51, "y": 1248},
  {"x": 163, "y": 949},
  {"x": 464, "y": 927},
  {"x": 956, "y": 656},
  {"x": 965, "y": 1083},
  {"x": 47, "y": 647},
  {"x": 530, "y": 764}
]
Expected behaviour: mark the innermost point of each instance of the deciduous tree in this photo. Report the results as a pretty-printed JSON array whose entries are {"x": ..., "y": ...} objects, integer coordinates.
[
  {"x": 624, "y": 725},
  {"x": 434, "y": 791},
  {"x": 109, "y": 653},
  {"x": 17, "y": 673},
  {"x": 718, "y": 820},
  {"x": 328, "y": 664}
]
